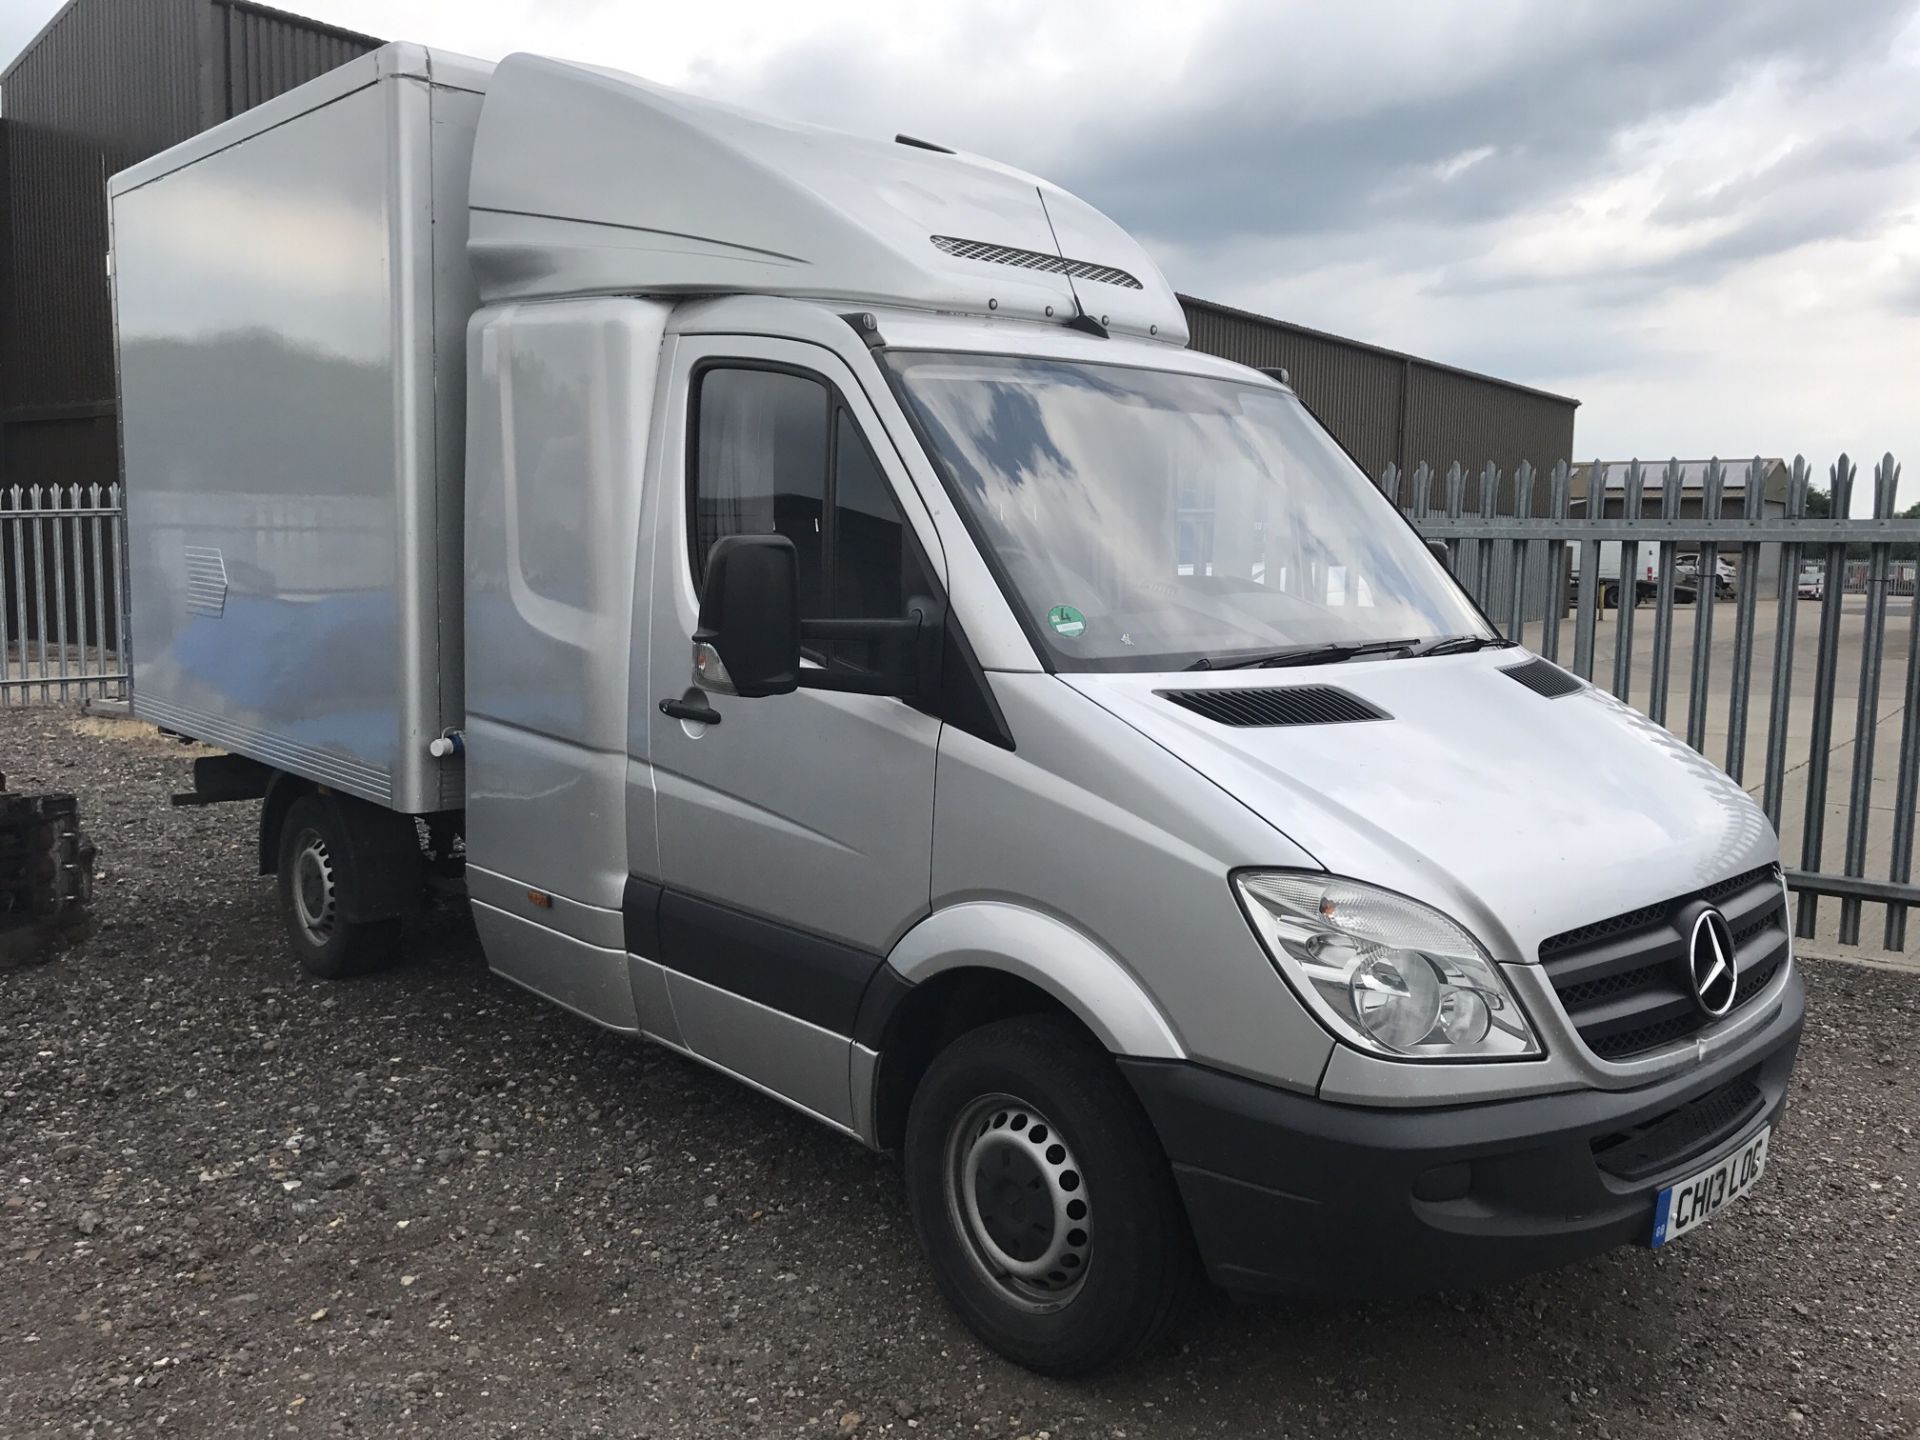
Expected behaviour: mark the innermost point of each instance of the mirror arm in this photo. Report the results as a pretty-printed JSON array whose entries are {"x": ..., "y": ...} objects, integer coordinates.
[
  {"x": 903, "y": 678},
  {"x": 860, "y": 629}
]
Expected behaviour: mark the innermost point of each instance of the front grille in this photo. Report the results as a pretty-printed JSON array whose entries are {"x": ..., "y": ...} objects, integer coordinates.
[
  {"x": 1282, "y": 705},
  {"x": 1623, "y": 980},
  {"x": 1680, "y": 1134}
]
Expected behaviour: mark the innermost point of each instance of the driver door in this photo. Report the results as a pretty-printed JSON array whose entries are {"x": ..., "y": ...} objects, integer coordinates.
[{"x": 795, "y": 833}]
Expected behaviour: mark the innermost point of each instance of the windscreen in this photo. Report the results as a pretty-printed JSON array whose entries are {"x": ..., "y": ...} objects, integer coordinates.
[{"x": 1143, "y": 520}]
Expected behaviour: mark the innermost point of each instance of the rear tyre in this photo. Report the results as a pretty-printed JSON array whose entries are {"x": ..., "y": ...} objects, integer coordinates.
[
  {"x": 1610, "y": 597},
  {"x": 315, "y": 877},
  {"x": 1043, "y": 1200}
]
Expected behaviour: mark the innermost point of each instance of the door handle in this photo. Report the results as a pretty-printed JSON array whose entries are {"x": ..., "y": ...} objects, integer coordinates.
[{"x": 691, "y": 706}]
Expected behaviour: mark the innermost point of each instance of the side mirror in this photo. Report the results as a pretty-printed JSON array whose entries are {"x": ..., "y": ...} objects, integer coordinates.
[
  {"x": 748, "y": 639},
  {"x": 1438, "y": 548}
]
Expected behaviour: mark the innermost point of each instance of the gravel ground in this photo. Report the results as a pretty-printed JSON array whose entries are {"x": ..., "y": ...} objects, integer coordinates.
[{"x": 241, "y": 1202}]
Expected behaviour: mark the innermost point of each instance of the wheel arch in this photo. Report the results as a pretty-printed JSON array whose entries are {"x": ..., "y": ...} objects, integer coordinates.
[
  {"x": 978, "y": 962},
  {"x": 282, "y": 791}
]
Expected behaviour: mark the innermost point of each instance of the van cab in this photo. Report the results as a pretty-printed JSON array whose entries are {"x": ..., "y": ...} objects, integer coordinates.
[{"x": 851, "y": 641}]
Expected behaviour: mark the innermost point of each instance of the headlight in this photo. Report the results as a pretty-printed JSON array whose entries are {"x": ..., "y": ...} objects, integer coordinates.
[{"x": 1385, "y": 972}]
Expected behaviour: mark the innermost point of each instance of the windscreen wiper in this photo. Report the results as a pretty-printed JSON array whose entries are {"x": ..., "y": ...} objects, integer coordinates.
[
  {"x": 1305, "y": 655},
  {"x": 1464, "y": 644}
]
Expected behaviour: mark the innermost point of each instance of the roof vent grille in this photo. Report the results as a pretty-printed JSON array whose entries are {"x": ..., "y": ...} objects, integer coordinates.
[
  {"x": 1544, "y": 678},
  {"x": 1034, "y": 260},
  {"x": 1288, "y": 705}
]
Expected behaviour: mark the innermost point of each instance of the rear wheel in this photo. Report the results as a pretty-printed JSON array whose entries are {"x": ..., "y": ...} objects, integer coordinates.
[
  {"x": 315, "y": 877},
  {"x": 1610, "y": 597},
  {"x": 1042, "y": 1198}
]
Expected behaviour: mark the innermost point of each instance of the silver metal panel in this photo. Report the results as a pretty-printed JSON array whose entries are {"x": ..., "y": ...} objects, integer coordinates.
[
  {"x": 594, "y": 925},
  {"x": 556, "y": 454},
  {"x": 813, "y": 808},
  {"x": 1592, "y": 810},
  {"x": 442, "y": 67},
  {"x": 797, "y": 1062},
  {"x": 712, "y": 199},
  {"x": 587, "y": 979},
  {"x": 549, "y": 812},
  {"x": 275, "y": 289},
  {"x": 1089, "y": 980},
  {"x": 1088, "y": 820}
]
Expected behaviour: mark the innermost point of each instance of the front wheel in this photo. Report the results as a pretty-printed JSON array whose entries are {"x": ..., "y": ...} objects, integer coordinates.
[
  {"x": 1043, "y": 1200},
  {"x": 1610, "y": 597}
]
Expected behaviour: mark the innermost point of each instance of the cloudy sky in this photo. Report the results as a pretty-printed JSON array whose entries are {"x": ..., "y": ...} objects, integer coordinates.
[{"x": 1701, "y": 219}]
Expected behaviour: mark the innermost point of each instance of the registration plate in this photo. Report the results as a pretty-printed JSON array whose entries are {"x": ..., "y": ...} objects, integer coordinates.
[{"x": 1694, "y": 1202}]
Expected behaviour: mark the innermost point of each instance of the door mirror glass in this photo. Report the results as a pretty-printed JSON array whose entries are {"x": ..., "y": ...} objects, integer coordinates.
[
  {"x": 1439, "y": 549},
  {"x": 748, "y": 640}
]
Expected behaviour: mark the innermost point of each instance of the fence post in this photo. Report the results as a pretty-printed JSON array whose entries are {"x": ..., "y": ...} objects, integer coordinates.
[
  {"x": 1826, "y": 662},
  {"x": 1706, "y": 582},
  {"x": 1906, "y": 783},
  {"x": 1886, "y": 479},
  {"x": 1788, "y": 609},
  {"x": 1672, "y": 478},
  {"x": 1523, "y": 477},
  {"x": 1586, "y": 618},
  {"x": 1743, "y": 617},
  {"x": 1629, "y": 594},
  {"x": 1559, "y": 493}
]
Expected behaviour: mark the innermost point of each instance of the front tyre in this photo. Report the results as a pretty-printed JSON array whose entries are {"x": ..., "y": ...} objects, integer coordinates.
[{"x": 1043, "y": 1200}]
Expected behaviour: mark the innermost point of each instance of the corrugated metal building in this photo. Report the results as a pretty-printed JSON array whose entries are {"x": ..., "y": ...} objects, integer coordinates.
[
  {"x": 1388, "y": 407},
  {"x": 106, "y": 83}
]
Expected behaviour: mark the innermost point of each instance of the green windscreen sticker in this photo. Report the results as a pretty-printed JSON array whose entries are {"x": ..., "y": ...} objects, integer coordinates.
[{"x": 1067, "y": 622}]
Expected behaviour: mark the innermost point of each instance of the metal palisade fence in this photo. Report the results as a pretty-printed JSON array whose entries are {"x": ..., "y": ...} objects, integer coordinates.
[
  {"x": 63, "y": 612},
  {"x": 1789, "y": 699},
  {"x": 1790, "y": 702}
]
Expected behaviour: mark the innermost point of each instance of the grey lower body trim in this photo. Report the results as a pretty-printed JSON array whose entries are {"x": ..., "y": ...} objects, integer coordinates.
[
  {"x": 653, "y": 1002},
  {"x": 863, "y": 1079},
  {"x": 766, "y": 1090},
  {"x": 788, "y": 1057},
  {"x": 589, "y": 980}
]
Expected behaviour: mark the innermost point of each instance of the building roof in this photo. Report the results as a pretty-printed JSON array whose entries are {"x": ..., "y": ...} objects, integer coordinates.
[
  {"x": 1693, "y": 477},
  {"x": 1380, "y": 350},
  {"x": 287, "y": 17}
]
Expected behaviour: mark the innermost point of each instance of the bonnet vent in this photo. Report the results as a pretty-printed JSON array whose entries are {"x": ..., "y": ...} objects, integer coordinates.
[
  {"x": 1543, "y": 678},
  {"x": 1289, "y": 705},
  {"x": 1034, "y": 260}
]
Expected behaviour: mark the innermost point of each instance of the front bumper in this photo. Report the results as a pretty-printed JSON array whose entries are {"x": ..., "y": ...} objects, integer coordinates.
[{"x": 1290, "y": 1194}]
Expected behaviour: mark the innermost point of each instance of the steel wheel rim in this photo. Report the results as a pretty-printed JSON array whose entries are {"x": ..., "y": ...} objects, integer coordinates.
[
  {"x": 1018, "y": 1200},
  {"x": 316, "y": 899}
]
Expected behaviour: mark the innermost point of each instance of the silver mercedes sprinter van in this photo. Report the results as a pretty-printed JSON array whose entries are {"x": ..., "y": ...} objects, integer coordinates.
[{"x": 840, "y": 632}]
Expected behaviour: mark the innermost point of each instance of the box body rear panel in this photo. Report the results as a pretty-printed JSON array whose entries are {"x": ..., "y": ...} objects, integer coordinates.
[{"x": 290, "y": 308}]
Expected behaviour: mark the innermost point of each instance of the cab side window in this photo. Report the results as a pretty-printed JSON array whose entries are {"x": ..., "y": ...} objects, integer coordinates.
[
  {"x": 776, "y": 452},
  {"x": 760, "y": 462}
]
